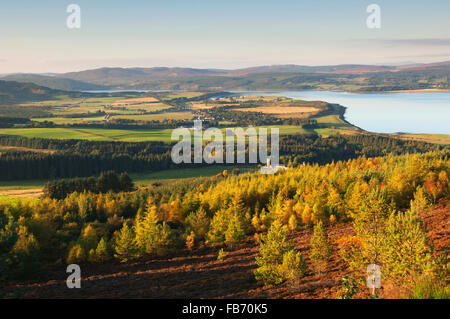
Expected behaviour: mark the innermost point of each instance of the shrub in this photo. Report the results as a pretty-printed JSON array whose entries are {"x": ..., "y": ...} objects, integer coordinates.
[
  {"x": 420, "y": 201},
  {"x": 163, "y": 241},
  {"x": 190, "y": 241},
  {"x": 293, "y": 267},
  {"x": 428, "y": 288},
  {"x": 198, "y": 223},
  {"x": 222, "y": 254},
  {"x": 277, "y": 260},
  {"x": 102, "y": 251},
  {"x": 349, "y": 288},
  {"x": 350, "y": 250},
  {"x": 76, "y": 255},
  {"x": 219, "y": 225},
  {"x": 235, "y": 232}
]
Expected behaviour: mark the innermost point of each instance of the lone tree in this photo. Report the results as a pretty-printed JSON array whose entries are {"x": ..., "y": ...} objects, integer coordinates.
[
  {"x": 370, "y": 225},
  {"x": 321, "y": 248}
]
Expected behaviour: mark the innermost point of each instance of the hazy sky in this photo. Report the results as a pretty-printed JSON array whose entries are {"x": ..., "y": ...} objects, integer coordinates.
[{"x": 221, "y": 34}]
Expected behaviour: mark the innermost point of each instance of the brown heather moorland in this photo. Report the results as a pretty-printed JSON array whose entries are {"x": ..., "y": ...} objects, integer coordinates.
[{"x": 198, "y": 274}]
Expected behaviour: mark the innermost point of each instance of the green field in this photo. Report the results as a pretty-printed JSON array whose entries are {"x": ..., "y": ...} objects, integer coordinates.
[
  {"x": 135, "y": 135},
  {"x": 99, "y": 134},
  {"x": 68, "y": 120},
  {"x": 66, "y": 110},
  {"x": 13, "y": 191},
  {"x": 175, "y": 95},
  {"x": 156, "y": 116},
  {"x": 22, "y": 185},
  {"x": 333, "y": 125},
  {"x": 143, "y": 179}
]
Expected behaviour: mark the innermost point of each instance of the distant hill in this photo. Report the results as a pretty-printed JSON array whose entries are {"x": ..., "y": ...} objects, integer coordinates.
[
  {"x": 119, "y": 76},
  {"x": 12, "y": 92},
  {"x": 292, "y": 68},
  {"x": 57, "y": 83},
  {"x": 349, "y": 77},
  {"x": 126, "y": 76},
  {"x": 425, "y": 66}
]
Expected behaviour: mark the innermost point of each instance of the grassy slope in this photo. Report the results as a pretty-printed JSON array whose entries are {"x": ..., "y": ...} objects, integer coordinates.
[
  {"x": 198, "y": 273},
  {"x": 137, "y": 135},
  {"x": 93, "y": 134}
]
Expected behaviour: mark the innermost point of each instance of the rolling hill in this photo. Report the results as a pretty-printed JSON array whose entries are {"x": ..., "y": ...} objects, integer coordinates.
[
  {"x": 12, "y": 92},
  {"x": 119, "y": 76},
  {"x": 57, "y": 83},
  {"x": 351, "y": 77}
]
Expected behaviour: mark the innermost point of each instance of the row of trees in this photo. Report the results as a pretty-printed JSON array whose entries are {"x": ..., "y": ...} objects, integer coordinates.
[
  {"x": 74, "y": 158},
  {"x": 33, "y": 165},
  {"x": 108, "y": 181}
]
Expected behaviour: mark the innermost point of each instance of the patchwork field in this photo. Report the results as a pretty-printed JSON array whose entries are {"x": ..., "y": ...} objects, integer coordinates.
[
  {"x": 135, "y": 101},
  {"x": 157, "y": 116},
  {"x": 66, "y": 110},
  {"x": 175, "y": 95},
  {"x": 138, "y": 135}
]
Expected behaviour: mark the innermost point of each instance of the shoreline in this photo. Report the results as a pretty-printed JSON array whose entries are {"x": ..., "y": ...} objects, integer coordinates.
[{"x": 350, "y": 92}]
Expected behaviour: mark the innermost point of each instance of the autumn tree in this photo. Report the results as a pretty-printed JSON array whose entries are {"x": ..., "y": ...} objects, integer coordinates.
[
  {"x": 407, "y": 253},
  {"x": 293, "y": 267},
  {"x": 125, "y": 246},
  {"x": 370, "y": 224},
  {"x": 102, "y": 251},
  {"x": 277, "y": 260},
  {"x": 151, "y": 236},
  {"x": 76, "y": 255},
  {"x": 235, "y": 232},
  {"x": 198, "y": 223},
  {"x": 321, "y": 248},
  {"x": 25, "y": 254}
]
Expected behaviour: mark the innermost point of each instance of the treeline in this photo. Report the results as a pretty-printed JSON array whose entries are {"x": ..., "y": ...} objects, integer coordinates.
[
  {"x": 6, "y": 122},
  {"x": 30, "y": 165},
  {"x": 108, "y": 181},
  {"x": 218, "y": 212},
  {"x": 85, "y": 146},
  {"x": 311, "y": 148},
  {"x": 77, "y": 158}
]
